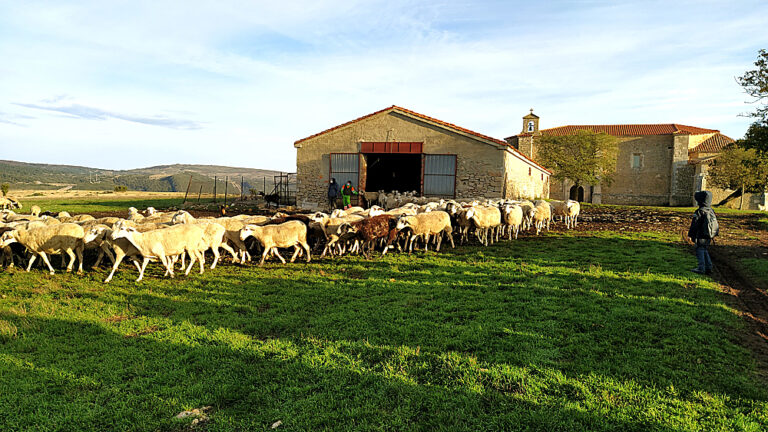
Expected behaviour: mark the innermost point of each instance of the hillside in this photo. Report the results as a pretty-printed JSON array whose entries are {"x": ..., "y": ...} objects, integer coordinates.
[{"x": 161, "y": 178}]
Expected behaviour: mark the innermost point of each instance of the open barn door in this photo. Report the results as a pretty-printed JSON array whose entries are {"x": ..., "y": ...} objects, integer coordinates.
[{"x": 440, "y": 175}]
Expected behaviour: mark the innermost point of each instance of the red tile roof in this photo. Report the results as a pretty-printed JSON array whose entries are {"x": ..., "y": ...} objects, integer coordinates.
[
  {"x": 713, "y": 144},
  {"x": 432, "y": 120},
  {"x": 630, "y": 129}
]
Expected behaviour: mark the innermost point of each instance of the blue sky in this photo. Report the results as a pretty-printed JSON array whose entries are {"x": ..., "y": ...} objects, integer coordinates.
[{"x": 126, "y": 84}]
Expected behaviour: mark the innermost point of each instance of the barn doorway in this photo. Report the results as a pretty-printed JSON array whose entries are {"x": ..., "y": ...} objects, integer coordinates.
[
  {"x": 393, "y": 172},
  {"x": 577, "y": 193}
]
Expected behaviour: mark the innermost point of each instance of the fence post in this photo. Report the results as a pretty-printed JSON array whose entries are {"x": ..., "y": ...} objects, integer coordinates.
[
  {"x": 226, "y": 187},
  {"x": 214, "y": 189},
  {"x": 187, "y": 192},
  {"x": 242, "y": 185},
  {"x": 199, "y": 193}
]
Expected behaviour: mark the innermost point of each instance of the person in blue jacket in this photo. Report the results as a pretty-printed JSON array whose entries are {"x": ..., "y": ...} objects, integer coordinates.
[
  {"x": 333, "y": 193},
  {"x": 704, "y": 228}
]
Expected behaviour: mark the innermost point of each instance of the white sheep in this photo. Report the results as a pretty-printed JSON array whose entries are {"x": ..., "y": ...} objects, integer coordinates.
[
  {"x": 541, "y": 216},
  {"x": 35, "y": 210},
  {"x": 285, "y": 235},
  {"x": 487, "y": 221},
  {"x": 165, "y": 243},
  {"x": 426, "y": 224},
  {"x": 43, "y": 240},
  {"x": 513, "y": 218}
]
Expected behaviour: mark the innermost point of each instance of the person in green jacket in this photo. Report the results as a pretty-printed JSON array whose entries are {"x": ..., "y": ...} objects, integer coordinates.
[{"x": 346, "y": 194}]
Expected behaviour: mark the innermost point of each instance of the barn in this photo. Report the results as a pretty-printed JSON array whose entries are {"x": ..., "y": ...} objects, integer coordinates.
[{"x": 396, "y": 149}]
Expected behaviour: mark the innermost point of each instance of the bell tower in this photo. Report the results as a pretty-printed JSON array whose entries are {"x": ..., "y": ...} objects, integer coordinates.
[
  {"x": 526, "y": 140},
  {"x": 531, "y": 124}
]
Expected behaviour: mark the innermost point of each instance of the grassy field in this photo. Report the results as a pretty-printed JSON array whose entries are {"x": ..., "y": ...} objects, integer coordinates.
[
  {"x": 107, "y": 203},
  {"x": 557, "y": 333}
]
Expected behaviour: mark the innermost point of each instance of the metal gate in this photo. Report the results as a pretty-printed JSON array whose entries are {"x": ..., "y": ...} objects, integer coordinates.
[
  {"x": 440, "y": 175},
  {"x": 345, "y": 167}
]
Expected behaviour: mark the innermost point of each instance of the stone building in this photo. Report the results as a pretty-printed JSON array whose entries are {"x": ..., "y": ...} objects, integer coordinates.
[
  {"x": 657, "y": 164},
  {"x": 398, "y": 149}
]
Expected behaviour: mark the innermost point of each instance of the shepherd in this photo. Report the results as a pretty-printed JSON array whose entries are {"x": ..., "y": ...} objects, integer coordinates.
[
  {"x": 346, "y": 194},
  {"x": 333, "y": 194}
]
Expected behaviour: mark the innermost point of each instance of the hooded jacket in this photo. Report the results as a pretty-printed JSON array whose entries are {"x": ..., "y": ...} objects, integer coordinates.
[
  {"x": 333, "y": 189},
  {"x": 704, "y": 224}
]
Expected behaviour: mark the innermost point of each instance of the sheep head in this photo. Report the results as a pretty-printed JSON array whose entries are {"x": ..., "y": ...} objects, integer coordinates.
[{"x": 7, "y": 238}]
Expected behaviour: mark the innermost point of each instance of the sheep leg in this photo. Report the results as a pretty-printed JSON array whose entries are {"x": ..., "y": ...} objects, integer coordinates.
[
  {"x": 44, "y": 257},
  {"x": 305, "y": 245},
  {"x": 144, "y": 266},
  {"x": 264, "y": 256},
  {"x": 296, "y": 250},
  {"x": 31, "y": 260},
  {"x": 71, "y": 259},
  {"x": 118, "y": 260},
  {"x": 227, "y": 248}
]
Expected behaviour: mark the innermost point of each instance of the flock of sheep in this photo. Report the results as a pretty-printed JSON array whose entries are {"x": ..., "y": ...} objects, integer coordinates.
[{"x": 171, "y": 237}]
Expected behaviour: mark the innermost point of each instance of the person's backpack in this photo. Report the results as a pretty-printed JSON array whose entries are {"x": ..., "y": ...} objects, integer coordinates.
[{"x": 709, "y": 226}]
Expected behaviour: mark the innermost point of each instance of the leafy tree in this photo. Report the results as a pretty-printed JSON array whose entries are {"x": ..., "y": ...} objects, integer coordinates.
[
  {"x": 585, "y": 157},
  {"x": 739, "y": 168},
  {"x": 755, "y": 83},
  {"x": 757, "y": 137},
  {"x": 4, "y": 188}
]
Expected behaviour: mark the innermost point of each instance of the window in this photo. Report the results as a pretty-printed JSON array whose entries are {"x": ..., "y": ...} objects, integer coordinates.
[
  {"x": 637, "y": 160},
  {"x": 542, "y": 176},
  {"x": 529, "y": 170},
  {"x": 530, "y": 126}
]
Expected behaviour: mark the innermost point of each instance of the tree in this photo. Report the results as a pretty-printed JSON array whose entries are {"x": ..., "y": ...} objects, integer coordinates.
[
  {"x": 739, "y": 168},
  {"x": 4, "y": 188},
  {"x": 755, "y": 83},
  {"x": 757, "y": 137},
  {"x": 585, "y": 157}
]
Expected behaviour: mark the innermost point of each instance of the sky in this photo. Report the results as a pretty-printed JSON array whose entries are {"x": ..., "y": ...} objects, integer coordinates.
[{"x": 128, "y": 84}]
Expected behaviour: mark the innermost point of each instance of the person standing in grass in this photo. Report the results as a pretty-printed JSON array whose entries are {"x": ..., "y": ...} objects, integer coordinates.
[
  {"x": 704, "y": 228},
  {"x": 346, "y": 194},
  {"x": 333, "y": 193}
]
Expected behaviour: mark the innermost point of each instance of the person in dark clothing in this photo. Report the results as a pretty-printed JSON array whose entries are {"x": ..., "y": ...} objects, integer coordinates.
[
  {"x": 333, "y": 193},
  {"x": 704, "y": 228}
]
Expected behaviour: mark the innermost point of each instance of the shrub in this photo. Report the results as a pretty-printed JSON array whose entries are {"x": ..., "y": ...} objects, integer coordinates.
[{"x": 121, "y": 188}]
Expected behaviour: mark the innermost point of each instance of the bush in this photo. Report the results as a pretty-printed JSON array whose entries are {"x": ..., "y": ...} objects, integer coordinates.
[
  {"x": 4, "y": 188},
  {"x": 121, "y": 188},
  {"x": 37, "y": 194}
]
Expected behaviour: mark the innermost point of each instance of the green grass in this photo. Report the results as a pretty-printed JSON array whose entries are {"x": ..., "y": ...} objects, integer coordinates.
[
  {"x": 756, "y": 268},
  {"x": 609, "y": 332},
  {"x": 110, "y": 202},
  {"x": 718, "y": 210}
]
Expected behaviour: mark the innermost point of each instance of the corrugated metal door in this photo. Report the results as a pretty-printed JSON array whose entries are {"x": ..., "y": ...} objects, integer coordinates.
[
  {"x": 345, "y": 167},
  {"x": 440, "y": 175}
]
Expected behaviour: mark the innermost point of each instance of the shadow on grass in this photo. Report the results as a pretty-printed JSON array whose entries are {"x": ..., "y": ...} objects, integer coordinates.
[
  {"x": 87, "y": 376},
  {"x": 655, "y": 328}
]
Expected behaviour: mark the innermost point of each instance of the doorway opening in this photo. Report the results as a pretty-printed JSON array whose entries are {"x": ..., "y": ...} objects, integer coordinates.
[
  {"x": 577, "y": 193},
  {"x": 393, "y": 172}
]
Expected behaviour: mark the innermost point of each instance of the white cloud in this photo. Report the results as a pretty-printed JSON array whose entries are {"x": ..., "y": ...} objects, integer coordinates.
[{"x": 259, "y": 75}]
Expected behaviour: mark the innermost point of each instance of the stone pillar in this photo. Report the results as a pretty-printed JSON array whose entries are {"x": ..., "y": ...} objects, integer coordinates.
[{"x": 597, "y": 195}]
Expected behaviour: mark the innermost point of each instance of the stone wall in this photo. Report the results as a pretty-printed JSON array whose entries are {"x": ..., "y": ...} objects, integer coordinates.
[
  {"x": 480, "y": 166},
  {"x": 523, "y": 181}
]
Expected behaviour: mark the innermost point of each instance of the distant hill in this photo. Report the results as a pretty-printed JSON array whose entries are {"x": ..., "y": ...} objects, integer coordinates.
[{"x": 161, "y": 178}]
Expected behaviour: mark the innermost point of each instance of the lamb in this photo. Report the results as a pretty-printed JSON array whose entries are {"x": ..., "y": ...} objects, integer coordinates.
[
  {"x": 331, "y": 230},
  {"x": 426, "y": 224},
  {"x": 528, "y": 211},
  {"x": 44, "y": 240},
  {"x": 35, "y": 210},
  {"x": 513, "y": 218},
  {"x": 541, "y": 216},
  {"x": 290, "y": 234},
  {"x": 487, "y": 220},
  {"x": 165, "y": 243}
]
